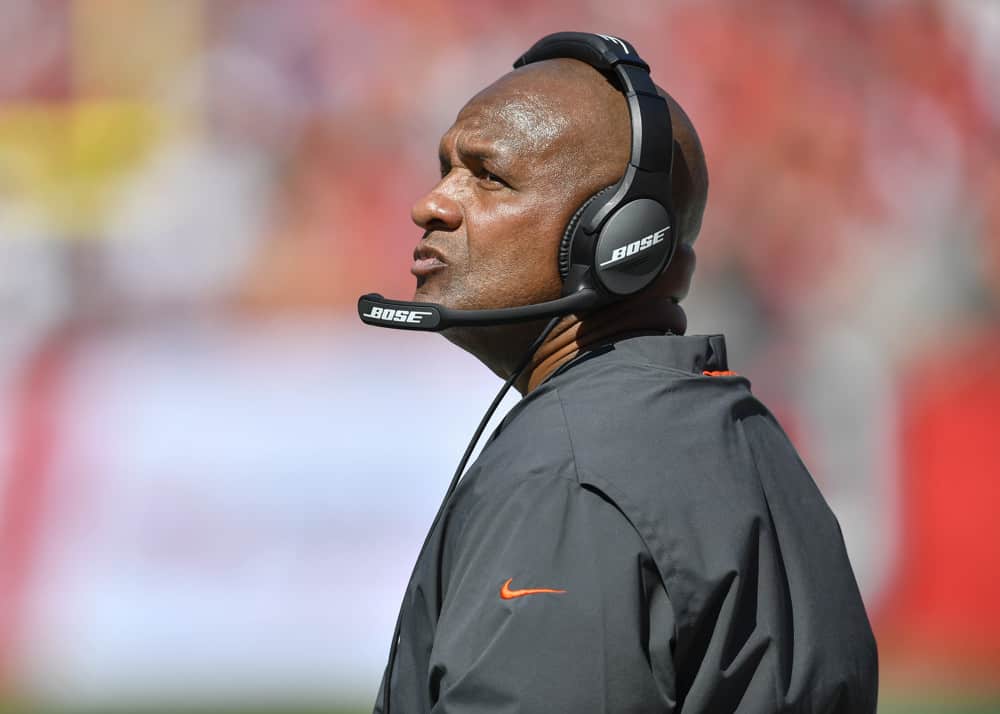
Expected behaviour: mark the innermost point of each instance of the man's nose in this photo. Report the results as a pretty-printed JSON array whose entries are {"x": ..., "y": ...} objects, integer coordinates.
[{"x": 435, "y": 211}]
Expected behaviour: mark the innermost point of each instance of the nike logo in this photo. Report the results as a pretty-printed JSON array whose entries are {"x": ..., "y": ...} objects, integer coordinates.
[{"x": 507, "y": 594}]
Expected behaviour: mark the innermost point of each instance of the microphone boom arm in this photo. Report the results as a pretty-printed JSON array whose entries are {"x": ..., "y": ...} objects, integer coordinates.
[{"x": 373, "y": 309}]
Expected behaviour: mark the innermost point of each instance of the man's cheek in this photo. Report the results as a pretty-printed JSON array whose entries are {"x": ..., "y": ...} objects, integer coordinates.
[{"x": 527, "y": 275}]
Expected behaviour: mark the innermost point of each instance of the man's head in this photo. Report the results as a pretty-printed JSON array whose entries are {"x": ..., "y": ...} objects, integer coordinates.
[{"x": 521, "y": 157}]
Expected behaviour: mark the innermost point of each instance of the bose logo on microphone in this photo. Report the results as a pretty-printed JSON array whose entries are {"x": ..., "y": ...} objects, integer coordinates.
[
  {"x": 389, "y": 315},
  {"x": 636, "y": 246}
]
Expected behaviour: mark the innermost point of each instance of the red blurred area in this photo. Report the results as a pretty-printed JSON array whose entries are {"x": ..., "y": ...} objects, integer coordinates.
[
  {"x": 944, "y": 605},
  {"x": 37, "y": 42}
]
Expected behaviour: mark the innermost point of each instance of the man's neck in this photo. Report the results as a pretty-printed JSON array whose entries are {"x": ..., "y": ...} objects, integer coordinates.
[{"x": 573, "y": 336}]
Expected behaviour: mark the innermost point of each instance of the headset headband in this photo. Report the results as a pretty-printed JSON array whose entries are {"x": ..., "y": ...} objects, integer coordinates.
[{"x": 652, "y": 134}]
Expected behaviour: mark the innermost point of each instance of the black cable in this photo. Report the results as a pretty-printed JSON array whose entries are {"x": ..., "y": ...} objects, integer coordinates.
[
  {"x": 387, "y": 676},
  {"x": 496, "y": 403}
]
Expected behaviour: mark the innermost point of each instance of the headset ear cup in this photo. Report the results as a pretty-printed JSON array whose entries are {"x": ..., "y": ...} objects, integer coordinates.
[{"x": 566, "y": 246}]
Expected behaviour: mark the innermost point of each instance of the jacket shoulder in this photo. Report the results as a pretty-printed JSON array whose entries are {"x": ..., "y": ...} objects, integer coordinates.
[{"x": 740, "y": 534}]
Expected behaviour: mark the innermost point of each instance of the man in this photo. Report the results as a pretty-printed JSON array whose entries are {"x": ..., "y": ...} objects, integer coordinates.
[{"x": 638, "y": 535}]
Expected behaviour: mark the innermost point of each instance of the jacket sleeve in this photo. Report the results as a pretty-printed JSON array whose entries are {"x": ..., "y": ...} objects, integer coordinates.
[{"x": 551, "y": 604}]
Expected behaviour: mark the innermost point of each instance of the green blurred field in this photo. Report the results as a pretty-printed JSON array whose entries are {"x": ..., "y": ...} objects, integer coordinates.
[
  {"x": 913, "y": 703},
  {"x": 937, "y": 704}
]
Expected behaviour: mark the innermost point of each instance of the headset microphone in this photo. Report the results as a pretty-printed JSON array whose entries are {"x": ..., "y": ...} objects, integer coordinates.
[{"x": 373, "y": 309}]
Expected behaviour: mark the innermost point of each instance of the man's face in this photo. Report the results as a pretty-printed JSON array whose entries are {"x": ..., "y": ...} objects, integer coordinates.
[{"x": 514, "y": 166}]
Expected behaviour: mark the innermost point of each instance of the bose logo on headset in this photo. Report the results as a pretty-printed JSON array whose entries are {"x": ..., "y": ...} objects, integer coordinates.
[
  {"x": 390, "y": 315},
  {"x": 636, "y": 246}
]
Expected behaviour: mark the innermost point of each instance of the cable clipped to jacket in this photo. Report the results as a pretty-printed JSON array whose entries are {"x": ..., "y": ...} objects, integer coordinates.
[{"x": 387, "y": 677}]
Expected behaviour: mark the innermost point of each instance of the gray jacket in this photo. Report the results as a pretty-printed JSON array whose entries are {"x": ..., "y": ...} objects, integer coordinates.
[{"x": 637, "y": 536}]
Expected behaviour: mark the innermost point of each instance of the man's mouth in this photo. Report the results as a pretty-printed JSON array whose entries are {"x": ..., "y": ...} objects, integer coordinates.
[
  {"x": 423, "y": 267},
  {"x": 426, "y": 260}
]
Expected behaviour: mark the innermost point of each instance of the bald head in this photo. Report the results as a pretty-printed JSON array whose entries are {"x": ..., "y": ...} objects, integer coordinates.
[{"x": 559, "y": 99}]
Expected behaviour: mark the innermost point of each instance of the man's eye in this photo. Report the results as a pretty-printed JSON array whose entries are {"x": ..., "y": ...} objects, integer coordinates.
[{"x": 492, "y": 178}]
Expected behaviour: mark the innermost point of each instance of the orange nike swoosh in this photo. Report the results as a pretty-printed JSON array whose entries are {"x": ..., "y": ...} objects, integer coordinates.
[{"x": 507, "y": 594}]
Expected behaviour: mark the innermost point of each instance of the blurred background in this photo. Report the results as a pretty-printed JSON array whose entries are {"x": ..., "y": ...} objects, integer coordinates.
[{"x": 198, "y": 509}]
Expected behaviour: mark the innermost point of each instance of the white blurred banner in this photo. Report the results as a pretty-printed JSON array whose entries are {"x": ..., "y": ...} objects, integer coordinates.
[{"x": 234, "y": 511}]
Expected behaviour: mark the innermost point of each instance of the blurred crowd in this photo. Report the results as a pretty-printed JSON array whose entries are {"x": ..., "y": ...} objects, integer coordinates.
[{"x": 243, "y": 161}]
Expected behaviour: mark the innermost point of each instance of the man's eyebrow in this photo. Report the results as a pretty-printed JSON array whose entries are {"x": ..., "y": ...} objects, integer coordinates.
[
  {"x": 483, "y": 150},
  {"x": 475, "y": 149}
]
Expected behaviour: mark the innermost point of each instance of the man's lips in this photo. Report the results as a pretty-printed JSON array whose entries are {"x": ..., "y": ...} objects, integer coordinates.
[
  {"x": 426, "y": 260},
  {"x": 425, "y": 266}
]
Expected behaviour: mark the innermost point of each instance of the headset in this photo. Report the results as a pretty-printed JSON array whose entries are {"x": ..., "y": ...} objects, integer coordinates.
[{"x": 619, "y": 240}]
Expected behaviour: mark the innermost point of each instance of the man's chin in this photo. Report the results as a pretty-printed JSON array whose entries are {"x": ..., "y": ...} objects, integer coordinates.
[
  {"x": 430, "y": 291},
  {"x": 423, "y": 294}
]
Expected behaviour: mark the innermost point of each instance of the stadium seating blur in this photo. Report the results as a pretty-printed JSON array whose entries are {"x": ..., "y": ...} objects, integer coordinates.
[{"x": 193, "y": 193}]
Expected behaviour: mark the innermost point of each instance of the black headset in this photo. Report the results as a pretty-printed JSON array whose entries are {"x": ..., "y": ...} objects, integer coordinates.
[{"x": 620, "y": 240}]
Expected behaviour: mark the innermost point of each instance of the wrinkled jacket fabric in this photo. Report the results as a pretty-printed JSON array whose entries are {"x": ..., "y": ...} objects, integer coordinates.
[{"x": 700, "y": 569}]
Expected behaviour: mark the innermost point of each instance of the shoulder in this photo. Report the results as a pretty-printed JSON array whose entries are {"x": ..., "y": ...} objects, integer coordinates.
[{"x": 627, "y": 413}]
